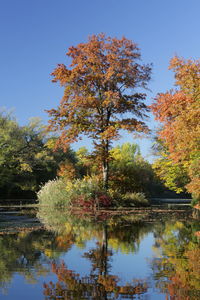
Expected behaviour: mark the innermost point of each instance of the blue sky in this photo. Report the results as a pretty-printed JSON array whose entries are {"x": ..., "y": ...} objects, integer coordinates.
[{"x": 35, "y": 35}]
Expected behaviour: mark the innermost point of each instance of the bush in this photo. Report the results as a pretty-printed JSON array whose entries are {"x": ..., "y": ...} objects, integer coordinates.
[
  {"x": 54, "y": 193},
  {"x": 86, "y": 193},
  {"x": 135, "y": 199}
]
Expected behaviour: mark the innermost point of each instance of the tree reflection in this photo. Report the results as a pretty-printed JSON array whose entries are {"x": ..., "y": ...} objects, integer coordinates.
[
  {"x": 123, "y": 233},
  {"x": 28, "y": 253},
  {"x": 111, "y": 234},
  {"x": 176, "y": 268},
  {"x": 99, "y": 256},
  {"x": 71, "y": 285},
  {"x": 177, "y": 272}
]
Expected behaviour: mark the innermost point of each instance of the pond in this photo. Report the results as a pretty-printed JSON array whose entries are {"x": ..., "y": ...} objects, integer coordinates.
[{"x": 103, "y": 257}]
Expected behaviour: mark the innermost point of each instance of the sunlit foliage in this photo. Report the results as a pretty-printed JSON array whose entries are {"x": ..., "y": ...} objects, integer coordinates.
[
  {"x": 130, "y": 172},
  {"x": 100, "y": 88},
  {"x": 179, "y": 113},
  {"x": 173, "y": 174}
]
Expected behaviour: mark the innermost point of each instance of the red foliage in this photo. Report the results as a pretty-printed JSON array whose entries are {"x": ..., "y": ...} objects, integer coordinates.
[{"x": 98, "y": 200}]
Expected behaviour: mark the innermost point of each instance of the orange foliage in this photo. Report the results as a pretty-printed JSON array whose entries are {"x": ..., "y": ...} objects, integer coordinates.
[
  {"x": 97, "y": 94},
  {"x": 67, "y": 170},
  {"x": 96, "y": 286},
  {"x": 179, "y": 115},
  {"x": 179, "y": 112}
]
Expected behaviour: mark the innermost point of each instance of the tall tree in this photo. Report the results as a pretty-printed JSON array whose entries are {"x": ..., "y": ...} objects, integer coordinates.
[
  {"x": 179, "y": 112},
  {"x": 102, "y": 86}
]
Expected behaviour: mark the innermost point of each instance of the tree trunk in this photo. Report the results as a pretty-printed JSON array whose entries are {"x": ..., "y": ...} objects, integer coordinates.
[
  {"x": 105, "y": 168},
  {"x": 105, "y": 249}
]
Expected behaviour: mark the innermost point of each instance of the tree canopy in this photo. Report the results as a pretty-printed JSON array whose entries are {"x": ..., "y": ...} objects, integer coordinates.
[
  {"x": 102, "y": 94},
  {"x": 179, "y": 113}
]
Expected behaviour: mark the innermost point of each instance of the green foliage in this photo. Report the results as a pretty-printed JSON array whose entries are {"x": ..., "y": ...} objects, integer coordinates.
[
  {"x": 27, "y": 159},
  {"x": 86, "y": 186},
  {"x": 172, "y": 174},
  {"x": 194, "y": 173},
  {"x": 129, "y": 171},
  {"x": 86, "y": 163},
  {"x": 54, "y": 194},
  {"x": 125, "y": 154}
]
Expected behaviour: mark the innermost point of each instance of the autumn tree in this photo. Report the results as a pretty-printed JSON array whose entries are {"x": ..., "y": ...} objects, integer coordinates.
[
  {"x": 179, "y": 113},
  {"x": 102, "y": 94}
]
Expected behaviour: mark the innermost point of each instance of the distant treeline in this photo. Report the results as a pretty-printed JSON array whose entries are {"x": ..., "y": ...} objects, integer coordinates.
[{"x": 28, "y": 160}]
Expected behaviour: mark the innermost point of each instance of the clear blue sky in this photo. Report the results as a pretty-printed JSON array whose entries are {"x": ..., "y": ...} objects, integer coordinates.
[{"x": 35, "y": 35}]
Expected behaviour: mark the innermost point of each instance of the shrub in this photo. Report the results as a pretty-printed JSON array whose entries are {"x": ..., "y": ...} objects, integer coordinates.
[
  {"x": 116, "y": 196},
  {"x": 85, "y": 193},
  {"x": 135, "y": 199},
  {"x": 54, "y": 193}
]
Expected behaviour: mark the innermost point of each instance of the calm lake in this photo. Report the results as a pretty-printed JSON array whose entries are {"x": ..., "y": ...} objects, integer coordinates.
[{"x": 118, "y": 257}]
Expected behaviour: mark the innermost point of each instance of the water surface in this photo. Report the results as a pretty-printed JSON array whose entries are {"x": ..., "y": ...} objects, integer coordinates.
[{"x": 112, "y": 258}]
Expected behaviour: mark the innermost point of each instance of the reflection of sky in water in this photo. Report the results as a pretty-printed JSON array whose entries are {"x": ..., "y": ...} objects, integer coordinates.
[
  {"x": 75, "y": 261},
  {"x": 134, "y": 265},
  {"x": 126, "y": 266},
  {"x": 20, "y": 289},
  {"x": 123, "y": 265}
]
